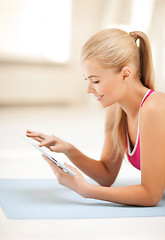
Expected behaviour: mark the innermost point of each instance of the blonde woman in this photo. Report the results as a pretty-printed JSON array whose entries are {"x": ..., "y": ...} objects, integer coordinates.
[{"x": 120, "y": 75}]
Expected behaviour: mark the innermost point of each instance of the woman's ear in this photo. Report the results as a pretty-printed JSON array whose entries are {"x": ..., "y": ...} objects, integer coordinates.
[{"x": 126, "y": 72}]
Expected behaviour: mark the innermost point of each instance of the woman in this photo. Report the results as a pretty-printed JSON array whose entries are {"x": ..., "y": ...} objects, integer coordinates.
[{"x": 120, "y": 74}]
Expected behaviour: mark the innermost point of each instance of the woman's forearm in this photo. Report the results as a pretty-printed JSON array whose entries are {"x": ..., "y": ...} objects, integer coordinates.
[
  {"x": 131, "y": 195},
  {"x": 93, "y": 168}
]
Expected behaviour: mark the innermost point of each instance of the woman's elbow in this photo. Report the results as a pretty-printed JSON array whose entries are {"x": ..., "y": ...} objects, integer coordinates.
[
  {"x": 108, "y": 182},
  {"x": 153, "y": 200}
]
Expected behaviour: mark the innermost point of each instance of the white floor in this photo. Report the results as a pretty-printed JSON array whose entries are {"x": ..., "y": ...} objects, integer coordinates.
[{"x": 83, "y": 127}]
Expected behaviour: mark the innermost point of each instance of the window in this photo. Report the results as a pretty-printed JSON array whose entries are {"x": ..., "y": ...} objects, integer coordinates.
[
  {"x": 141, "y": 14},
  {"x": 35, "y": 30}
]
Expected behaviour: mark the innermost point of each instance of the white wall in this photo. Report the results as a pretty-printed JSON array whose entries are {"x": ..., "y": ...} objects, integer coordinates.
[{"x": 24, "y": 83}]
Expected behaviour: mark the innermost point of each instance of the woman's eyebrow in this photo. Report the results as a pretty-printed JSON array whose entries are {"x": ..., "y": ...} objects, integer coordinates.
[{"x": 91, "y": 76}]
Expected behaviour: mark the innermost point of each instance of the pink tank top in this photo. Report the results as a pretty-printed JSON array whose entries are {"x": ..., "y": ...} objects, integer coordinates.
[{"x": 134, "y": 156}]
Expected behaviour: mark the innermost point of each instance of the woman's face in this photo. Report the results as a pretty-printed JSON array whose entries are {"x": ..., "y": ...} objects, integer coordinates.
[{"x": 105, "y": 84}]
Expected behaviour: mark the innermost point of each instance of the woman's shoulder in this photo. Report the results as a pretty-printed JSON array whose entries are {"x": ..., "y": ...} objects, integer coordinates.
[{"x": 154, "y": 105}]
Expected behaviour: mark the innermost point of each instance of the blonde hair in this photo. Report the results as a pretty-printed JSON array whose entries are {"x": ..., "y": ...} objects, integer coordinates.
[{"x": 115, "y": 48}]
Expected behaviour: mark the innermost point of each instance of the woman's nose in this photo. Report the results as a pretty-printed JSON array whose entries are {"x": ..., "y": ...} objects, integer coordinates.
[{"x": 90, "y": 89}]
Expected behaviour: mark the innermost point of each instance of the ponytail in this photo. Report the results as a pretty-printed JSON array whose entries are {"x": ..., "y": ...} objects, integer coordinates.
[{"x": 147, "y": 75}]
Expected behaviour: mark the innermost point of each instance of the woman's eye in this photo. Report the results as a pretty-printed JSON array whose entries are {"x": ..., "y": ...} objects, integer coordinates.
[{"x": 95, "y": 82}]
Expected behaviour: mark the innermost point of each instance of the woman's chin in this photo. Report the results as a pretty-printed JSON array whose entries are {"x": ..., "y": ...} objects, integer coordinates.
[{"x": 104, "y": 105}]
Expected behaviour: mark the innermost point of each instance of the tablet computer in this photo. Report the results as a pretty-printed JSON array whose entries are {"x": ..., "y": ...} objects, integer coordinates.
[
  {"x": 47, "y": 155},
  {"x": 53, "y": 159}
]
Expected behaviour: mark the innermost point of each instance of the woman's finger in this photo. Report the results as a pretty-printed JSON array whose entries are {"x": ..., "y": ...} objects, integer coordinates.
[
  {"x": 35, "y": 134},
  {"x": 71, "y": 167},
  {"x": 37, "y": 139},
  {"x": 51, "y": 163},
  {"x": 53, "y": 148},
  {"x": 48, "y": 141},
  {"x": 57, "y": 170}
]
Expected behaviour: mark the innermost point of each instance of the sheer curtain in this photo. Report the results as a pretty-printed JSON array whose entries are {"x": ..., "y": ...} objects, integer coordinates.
[
  {"x": 35, "y": 30},
  {"x": 147, "y": 16},
  {"x": 157, "y": 32}
]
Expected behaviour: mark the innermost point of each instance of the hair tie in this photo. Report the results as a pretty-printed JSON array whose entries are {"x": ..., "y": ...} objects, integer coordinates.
[{"x": 134, "y": 35}]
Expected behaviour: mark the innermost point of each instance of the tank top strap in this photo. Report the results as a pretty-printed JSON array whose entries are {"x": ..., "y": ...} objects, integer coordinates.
[{"x": 150, "y": 91}]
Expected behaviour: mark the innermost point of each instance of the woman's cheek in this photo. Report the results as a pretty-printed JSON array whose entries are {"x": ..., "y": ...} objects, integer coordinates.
[{"x": 100, "y": 89}]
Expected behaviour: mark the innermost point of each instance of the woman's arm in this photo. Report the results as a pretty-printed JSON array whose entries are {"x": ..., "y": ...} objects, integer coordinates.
[
  {"x": 152, "y": 146},
  {"x": 104, "y": 171},
  {"x": 131, "y": 195},
  {"x": 149, "y": 192}
]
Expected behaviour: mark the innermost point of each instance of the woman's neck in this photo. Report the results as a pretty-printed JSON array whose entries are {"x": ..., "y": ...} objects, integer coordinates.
[{"x": 131, "y": 101}]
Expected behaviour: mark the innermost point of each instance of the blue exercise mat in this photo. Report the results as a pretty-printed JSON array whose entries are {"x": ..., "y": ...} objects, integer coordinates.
[{"x": 46, "y": 199}]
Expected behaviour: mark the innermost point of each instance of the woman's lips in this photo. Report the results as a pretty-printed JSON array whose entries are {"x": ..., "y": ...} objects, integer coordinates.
[{"x": 99, "y": 97}]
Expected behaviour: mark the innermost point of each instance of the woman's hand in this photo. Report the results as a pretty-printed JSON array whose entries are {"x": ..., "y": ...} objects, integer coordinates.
[
  {"x": 52, "y": 142},
  {"x": 76, "y": 183}
]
